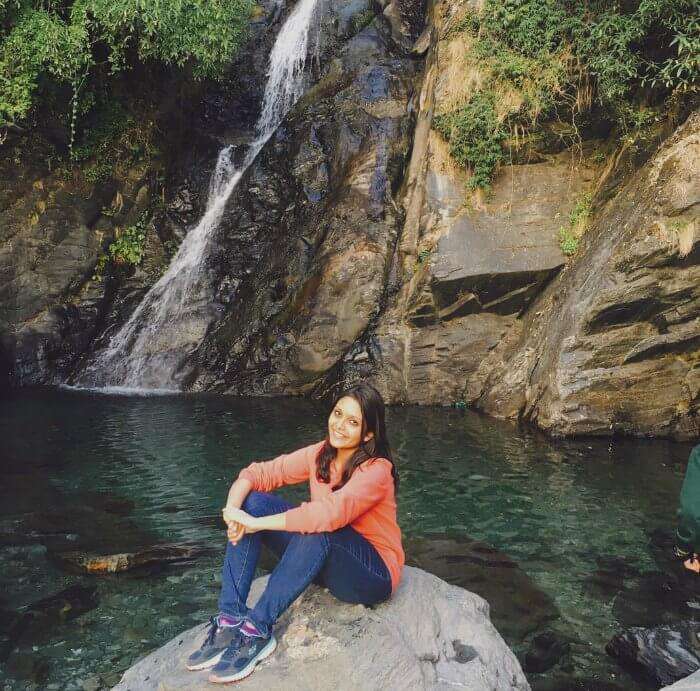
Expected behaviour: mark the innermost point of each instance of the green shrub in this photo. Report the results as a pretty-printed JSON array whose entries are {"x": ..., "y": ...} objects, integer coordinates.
[
  {"x": 579, "y": 216},
  {"x": 98, "y": 173},
  {"x": 361, "y": 20},
  {"x": 128, "y": 245},
  {"x": 568, "y": 241},
  {"x": 475, "y": 135},
  {"x": 77, "y": 43},
  {"x": 565, "y": 59},
  {"x": 619, "y": 47},
  {"x": 581, "y": 213}
]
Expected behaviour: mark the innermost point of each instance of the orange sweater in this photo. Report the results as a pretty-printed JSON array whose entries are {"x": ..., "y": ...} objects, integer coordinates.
[{"x": 366, "y": 502}]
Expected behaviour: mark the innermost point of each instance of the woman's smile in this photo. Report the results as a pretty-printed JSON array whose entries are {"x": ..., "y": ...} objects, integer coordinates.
[{"x": 345, "y": 424}]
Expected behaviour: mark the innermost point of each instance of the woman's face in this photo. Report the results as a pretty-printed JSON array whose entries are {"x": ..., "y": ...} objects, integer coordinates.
[{"x": 345, "y": 424}]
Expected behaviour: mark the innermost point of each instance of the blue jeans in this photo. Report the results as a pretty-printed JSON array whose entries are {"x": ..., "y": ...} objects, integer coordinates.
[{"x": 343, "y": 561}]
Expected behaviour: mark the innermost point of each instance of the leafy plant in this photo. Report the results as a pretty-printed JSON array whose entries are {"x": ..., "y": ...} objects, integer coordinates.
[
  {"x": 362, "y": 20},
  {"x": 128, "y": 246},
  {"x": 475, "y": 135},
  {"x": 75, "y": 43},
  {"x": 569, "y": 236},
  {"x": 568, "y": 241},
  {"x": 565, "y": 59},
  {"x": 98, "y": 173}
]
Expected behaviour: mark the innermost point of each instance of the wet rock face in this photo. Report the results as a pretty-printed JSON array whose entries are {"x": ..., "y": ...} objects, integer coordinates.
[
  {"x": 429, "y": 635},
  {"x": 308, "y": 236},
  {"x": 613, "y": 345},
  {"x": 48, "y": 250}
]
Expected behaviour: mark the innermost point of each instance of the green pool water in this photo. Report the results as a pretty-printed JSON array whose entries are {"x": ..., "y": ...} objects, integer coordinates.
[{"x": 106, "y": 473}]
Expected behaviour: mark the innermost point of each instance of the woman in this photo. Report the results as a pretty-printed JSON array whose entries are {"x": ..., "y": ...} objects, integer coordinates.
[{"x": 346, "y": 538}]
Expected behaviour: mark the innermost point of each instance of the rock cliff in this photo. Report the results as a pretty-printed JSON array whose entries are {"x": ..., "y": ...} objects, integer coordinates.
[
  {"x": 613, "y": 344},
  {"x": 353, "y": 248}
]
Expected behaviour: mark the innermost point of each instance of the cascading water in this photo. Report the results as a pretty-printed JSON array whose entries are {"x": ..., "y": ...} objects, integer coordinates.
[{"x": 174, "y": 315}]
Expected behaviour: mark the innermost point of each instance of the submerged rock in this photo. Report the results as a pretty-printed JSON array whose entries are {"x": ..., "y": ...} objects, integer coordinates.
[
  {"x": 125, "y": 561},
  {"x": 546, "y": 651},
  {"x": 41, "y": 616},
  {"x": 518, "y": 606},
  {"x": 430, "y": 635},
  {"x": 665, "y": 653}
]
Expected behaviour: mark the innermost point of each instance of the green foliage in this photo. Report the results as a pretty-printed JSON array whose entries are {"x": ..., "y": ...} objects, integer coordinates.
[
  {"x": 111, "y": 141},
  {"x": 581, "y": 212},
  {"x": 568, "y": 241},
  {"x": 74, "y": 42},
  {"x": 579, "y": 217},
  {"x": 564, "y": 59},
  {"x": 110, "y": 122},
  {"x": 128, "y": 246},
  {"x": 98, "y": 173},
  {"x": 620, "y": 47},
  {"x": 475, "y": 135},
  {"x": 361, "y": 20}
]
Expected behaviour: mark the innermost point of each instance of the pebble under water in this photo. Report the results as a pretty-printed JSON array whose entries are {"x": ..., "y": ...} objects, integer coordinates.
[{"x": 566, "y": 539}]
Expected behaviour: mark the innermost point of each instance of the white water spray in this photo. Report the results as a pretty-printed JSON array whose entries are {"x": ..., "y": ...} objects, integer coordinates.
[{"x": 172, "y": 319}]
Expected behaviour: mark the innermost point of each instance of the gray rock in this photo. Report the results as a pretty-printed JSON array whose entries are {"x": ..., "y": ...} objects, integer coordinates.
[
  {"x": 430, "y": 635},
  {"x": 691, "y": 683},
  {"x": 613, "y": 344},
  {"x": 663, "y": 653},
  {"x": 468, "y": 266}
]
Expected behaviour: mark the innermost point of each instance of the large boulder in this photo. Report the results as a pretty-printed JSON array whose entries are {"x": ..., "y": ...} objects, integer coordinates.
[
  {"x": 690, "y": 683},
  {"x": 430, "y": 635}
]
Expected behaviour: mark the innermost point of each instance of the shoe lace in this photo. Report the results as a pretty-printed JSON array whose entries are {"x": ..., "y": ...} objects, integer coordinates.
[
  {"x": 234, "y": 646},
  {"x": 211, "y": 633}
]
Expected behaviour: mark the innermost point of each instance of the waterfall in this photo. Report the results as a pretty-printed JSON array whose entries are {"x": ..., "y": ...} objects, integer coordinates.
[{"x": 172, "y": 319}]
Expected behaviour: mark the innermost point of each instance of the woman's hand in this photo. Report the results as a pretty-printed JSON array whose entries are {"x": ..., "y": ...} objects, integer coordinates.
[
  {"x": 235, "y": 531},
  {"x": 249, "y": 523},
  {"x": 692, "y": 564}
]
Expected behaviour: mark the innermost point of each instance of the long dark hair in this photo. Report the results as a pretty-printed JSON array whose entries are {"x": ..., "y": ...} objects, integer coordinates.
[{"x": 372, "y": 407}]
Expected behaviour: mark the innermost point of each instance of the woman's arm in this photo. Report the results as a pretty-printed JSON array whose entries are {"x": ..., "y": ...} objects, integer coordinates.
[
  {"x": 287, "y": 469},
  {"x": 253, "y": 524},
  {"x": 367, "y": 486},
  {"x": 239, "y": 490},
  {"x": 237, "y": 493}
]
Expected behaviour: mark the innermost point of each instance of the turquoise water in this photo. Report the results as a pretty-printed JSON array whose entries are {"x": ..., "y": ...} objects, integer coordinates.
[{"x": 108, "y": 473}]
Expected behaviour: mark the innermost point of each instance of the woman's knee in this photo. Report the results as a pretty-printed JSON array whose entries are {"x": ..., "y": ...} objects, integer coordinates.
[
  {"x": 317, "y": 542},
  {"x": 258, "y": 504}
]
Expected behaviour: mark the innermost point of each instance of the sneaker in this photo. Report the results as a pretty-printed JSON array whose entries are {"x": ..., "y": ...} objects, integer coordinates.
[
  {"x": 240, "y": 658},
  {"x": 218, "y": 639}
]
